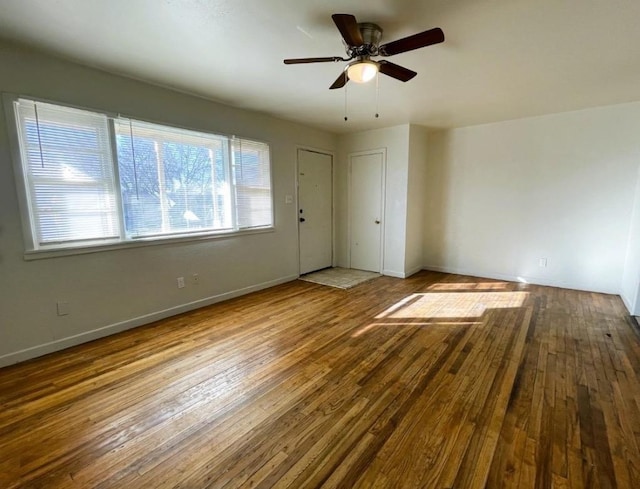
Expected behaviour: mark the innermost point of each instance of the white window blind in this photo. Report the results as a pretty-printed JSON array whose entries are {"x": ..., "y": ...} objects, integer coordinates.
[
  {"x": 173, "y": 181},
  {"x": 68, "y": 172},
  {"x": 252, "y": 179},
  {"x": 163, "y": 181}
]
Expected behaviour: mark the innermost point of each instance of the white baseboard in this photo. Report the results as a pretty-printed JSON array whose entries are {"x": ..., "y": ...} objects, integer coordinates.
[
  {"x": 627, "y": 303},
  {"x": 412, "y": 271},
  {"x": 62, "y": 343},
  {"x": 393, "y": 273},
  {"x": 470, "y": 273},
  {"x": 514, "y": 278}
]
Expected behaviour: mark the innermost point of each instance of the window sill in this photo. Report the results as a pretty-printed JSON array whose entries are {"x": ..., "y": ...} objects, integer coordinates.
[{"x": 139, "y": 243}]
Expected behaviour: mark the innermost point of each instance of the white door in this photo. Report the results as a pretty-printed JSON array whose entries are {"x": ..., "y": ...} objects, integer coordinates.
[
  {"x": 366, "y": 189},
  {"x": 315, "y": 214}
]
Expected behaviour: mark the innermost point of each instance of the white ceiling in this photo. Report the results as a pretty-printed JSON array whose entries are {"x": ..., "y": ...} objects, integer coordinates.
[{"x": 502, "y": 59}]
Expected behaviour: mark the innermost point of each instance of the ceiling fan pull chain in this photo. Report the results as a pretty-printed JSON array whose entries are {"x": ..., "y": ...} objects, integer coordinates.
[
  {"x": 377, "y": 93},
  {"x": 345, "y": 104}
]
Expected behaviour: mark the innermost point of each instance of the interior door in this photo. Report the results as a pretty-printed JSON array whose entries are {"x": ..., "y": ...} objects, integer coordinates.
[
  {"x": 315, "y": 210},
  {"x": 366, "y": 189}
]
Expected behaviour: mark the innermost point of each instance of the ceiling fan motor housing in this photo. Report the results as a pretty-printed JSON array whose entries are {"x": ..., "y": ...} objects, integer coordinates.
[{"x": 371, "y": 35}]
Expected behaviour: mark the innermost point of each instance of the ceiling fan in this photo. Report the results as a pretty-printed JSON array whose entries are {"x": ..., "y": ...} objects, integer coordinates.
[{"x": 361, "y": 41}]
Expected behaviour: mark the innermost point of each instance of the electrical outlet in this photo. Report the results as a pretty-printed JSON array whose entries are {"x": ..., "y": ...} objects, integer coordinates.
[
  {"x": 195, "y": 278},
  {"x": 288, "y": 199},
  {"x": 180, "y": 282},
  {"x": 542, "y": 263},
  {"x": 63, "y": 308}
]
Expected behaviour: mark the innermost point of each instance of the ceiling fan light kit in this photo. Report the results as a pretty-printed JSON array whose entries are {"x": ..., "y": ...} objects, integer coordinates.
[
  {"x": 362, "y": 41},
  {"x": 362, "y": 71}
]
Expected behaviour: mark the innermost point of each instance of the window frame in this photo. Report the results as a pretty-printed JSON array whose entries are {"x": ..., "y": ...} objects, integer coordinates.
[{"x": 33, "y": 250}]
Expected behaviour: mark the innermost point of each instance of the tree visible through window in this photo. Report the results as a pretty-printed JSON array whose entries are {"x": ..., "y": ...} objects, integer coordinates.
[
  {"x": 163, "y": 181},
  {"x": 172, "y": 182}
]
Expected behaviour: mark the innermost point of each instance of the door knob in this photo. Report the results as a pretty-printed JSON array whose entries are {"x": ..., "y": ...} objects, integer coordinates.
[
  {"x": 302, "y": 219},
  {"x": 377, "y": 221}
]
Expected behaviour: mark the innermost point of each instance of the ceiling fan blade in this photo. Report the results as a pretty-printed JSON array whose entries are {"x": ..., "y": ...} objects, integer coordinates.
[
  {"x": 348, "y": 27},
  {"x": 420, "y": 40},
  {"x": 341, "y": 81},
  {"x": 296, "y": 61},
  {"x": 395, "y": 71}
]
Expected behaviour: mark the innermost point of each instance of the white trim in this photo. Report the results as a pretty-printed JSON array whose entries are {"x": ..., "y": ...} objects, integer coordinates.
[
  {"x": 383, "y": 203},
  {"x": 627, "y": 303},
  {"x": 334, "y": 173},
  {"x": 412, "y": 271},
  {"x": 315, "y": 150},
  {"x": 141, "y": 242},
  {"x": 515, "y": 278},
  {"x": 62, "y": 343},
  {"x": 333, "y": 207},
  {"x": 406, "y": 274},
  {"x": 392, "y": 273},
  {"x": 35, "y": 250},
  {"x": 15, "y": 147},
  {"x": 119, "y": 115}
]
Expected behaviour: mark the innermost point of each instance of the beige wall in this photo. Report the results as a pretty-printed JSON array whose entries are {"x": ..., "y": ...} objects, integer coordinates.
[
  {"x": 418, "y": 159},
  {"x": 561, "y": 187},
  {"x": 395, "y": 140},
  {"x": 113, "y": 290},
  {"x": 406, "y": 153},
  {"x": 630, "y": 288}
]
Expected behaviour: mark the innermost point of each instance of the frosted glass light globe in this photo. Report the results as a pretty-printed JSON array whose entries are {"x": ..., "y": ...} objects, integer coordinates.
[{"x": 362, "y": 71}]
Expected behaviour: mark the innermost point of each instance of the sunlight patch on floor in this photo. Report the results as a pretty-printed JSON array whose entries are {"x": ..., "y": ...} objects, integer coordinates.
[
  {"x": 471, "y": 286},
  {"x": 452, "y": 304},
  {"x": 412, "y": 324}
]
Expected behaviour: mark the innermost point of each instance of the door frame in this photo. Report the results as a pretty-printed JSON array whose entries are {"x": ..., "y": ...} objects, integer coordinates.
[
  {"x": 333, "y": 196},
  {"x": 383, "y": 201}
]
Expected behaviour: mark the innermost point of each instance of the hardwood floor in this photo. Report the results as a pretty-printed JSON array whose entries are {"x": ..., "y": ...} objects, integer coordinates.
[{"x": 438, "y": 380}]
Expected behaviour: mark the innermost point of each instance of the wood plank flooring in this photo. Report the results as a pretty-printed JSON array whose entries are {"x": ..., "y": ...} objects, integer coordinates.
[{"x": 436, "y": 381}]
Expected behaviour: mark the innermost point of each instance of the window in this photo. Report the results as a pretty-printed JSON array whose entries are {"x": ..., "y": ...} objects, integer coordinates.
[{"x": 91, "y": 179}]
